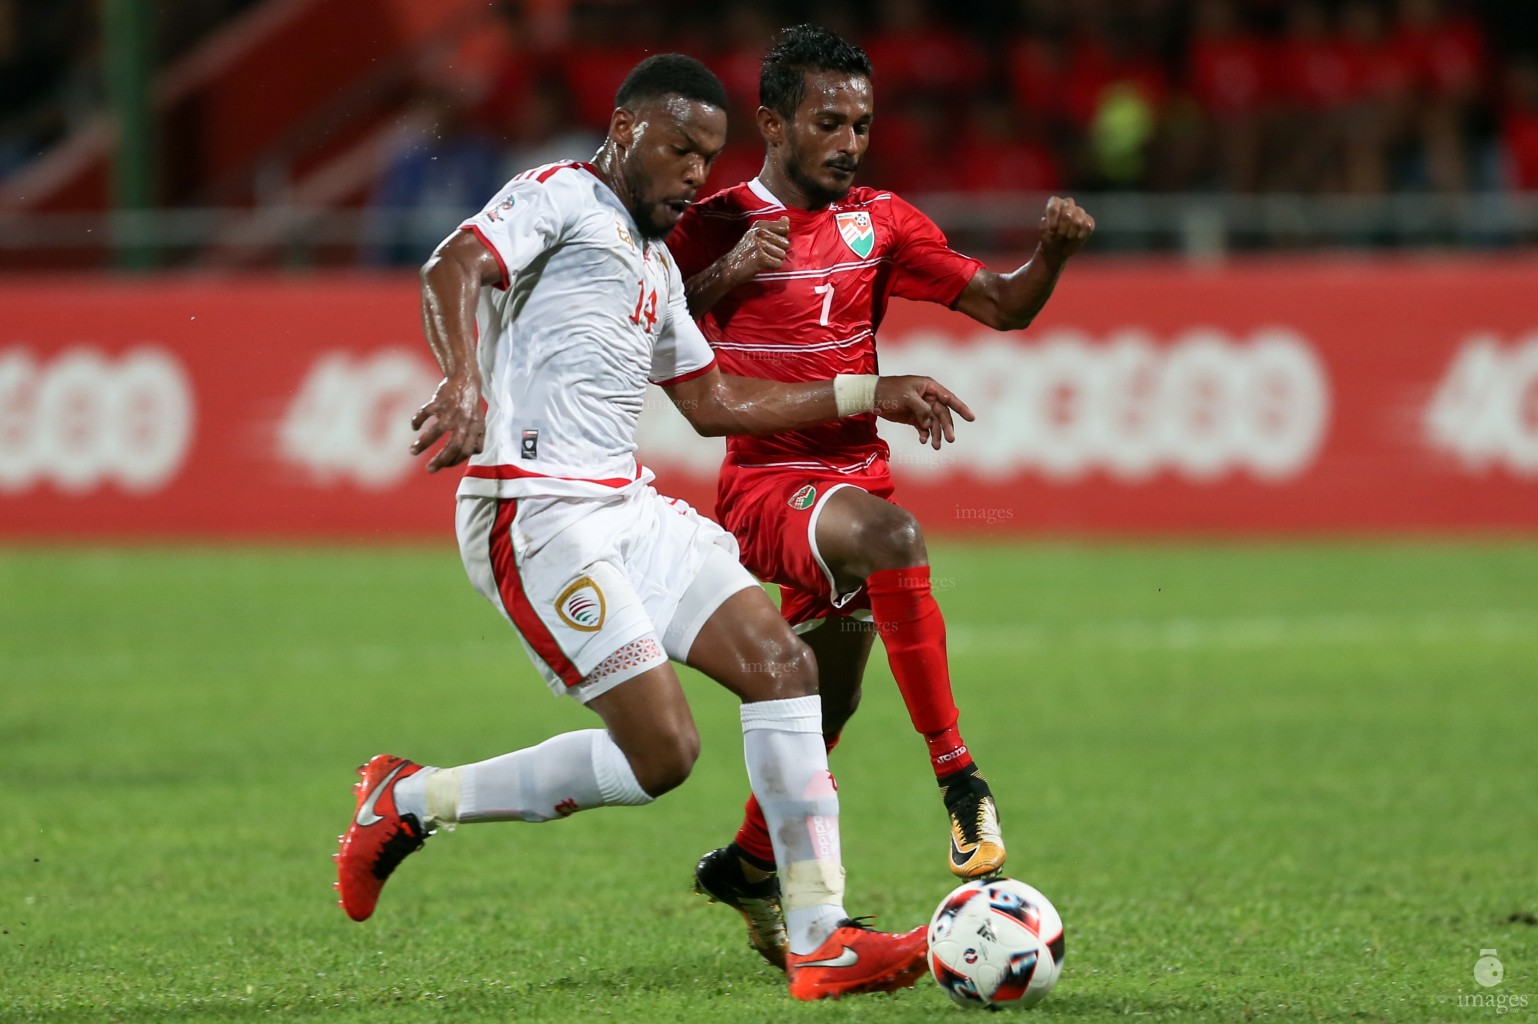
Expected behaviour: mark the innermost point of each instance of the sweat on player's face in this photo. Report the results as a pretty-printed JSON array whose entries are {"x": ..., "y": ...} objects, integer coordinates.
[{"x": 672, "y": 143}]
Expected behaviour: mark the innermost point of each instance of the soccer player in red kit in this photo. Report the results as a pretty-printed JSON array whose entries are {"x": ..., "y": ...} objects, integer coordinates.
[{"x": 789, "y": 276}]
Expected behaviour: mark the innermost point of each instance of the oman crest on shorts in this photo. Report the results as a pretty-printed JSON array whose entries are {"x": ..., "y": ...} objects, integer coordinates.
[
  {"x": 581, "y": 605},
  {"x": 858, "y": 232}
]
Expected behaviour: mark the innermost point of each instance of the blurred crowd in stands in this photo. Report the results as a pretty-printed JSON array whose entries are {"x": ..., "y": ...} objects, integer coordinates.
[
  {"x": 1361, "y": 97},
  {"x": 1352, "y": 96}
]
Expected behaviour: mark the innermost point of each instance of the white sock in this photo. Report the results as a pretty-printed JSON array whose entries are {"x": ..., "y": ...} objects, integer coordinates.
[
  {"x": 788, "y": 768},
  {"x": 561, "y": 776}
]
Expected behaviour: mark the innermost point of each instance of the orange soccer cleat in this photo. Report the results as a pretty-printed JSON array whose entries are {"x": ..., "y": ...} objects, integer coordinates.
[
  {"x": 856, "y": 958},
  {"x": 379, "y": 838}
]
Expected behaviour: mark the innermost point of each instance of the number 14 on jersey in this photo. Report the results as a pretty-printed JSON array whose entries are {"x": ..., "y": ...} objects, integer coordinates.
[{"x": 649, "y": 302}]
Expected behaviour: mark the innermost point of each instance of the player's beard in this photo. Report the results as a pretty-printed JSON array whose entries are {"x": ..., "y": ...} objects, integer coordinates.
[
  {"x": 643, "y": 208},
  {"x": 815, "y": 191}
]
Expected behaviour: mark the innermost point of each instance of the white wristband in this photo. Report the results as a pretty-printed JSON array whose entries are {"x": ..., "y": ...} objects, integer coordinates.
[{"x": 854, "y": 393}]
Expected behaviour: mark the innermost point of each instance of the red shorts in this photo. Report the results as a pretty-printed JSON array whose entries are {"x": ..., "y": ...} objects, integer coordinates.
[{"x": 773, "y": 513}]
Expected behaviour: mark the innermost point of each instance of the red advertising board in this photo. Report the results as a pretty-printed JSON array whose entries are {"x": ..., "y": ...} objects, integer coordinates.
[{"x": 1150, "y": 398}]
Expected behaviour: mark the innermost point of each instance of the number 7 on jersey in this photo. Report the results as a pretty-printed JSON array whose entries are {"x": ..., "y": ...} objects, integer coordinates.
[{"x": 826, "y": 291}]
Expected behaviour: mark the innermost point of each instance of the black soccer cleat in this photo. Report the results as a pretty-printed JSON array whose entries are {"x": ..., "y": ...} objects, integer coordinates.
[{"x": 718, "y": 877}]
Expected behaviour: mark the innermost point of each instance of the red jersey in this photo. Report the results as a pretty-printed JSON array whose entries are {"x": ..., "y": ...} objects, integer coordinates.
[{"x": 818, "y": 313}]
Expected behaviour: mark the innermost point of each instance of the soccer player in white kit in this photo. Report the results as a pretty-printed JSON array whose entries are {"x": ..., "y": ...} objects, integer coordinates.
[{"x": 555, "y": 305}]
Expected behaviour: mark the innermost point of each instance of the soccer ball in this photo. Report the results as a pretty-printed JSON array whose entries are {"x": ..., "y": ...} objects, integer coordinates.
[{"x": 996, "y": 943}]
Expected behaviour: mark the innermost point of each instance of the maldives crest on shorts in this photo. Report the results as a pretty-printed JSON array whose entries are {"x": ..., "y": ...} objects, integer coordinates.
[
  {"x": 858, "y": 232},
  {"x": 581, "y": 605}
]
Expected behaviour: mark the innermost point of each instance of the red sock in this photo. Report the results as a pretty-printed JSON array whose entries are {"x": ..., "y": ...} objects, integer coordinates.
[
  {"x": 913, "y": 630},
  {"x": 753, "y": 837}
]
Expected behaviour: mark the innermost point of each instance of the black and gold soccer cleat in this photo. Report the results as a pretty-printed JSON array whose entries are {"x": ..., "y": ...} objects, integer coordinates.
[
  {"x": 719, "y": 878},
  {"x": 977, "y": 844}
]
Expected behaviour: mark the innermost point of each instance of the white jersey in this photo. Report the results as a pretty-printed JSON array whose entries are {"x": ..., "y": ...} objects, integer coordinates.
[{"x": 587, "y": 312}]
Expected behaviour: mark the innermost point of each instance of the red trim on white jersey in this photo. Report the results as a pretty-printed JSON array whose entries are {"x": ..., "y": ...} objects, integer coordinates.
[
  {"x": 504, "y": 570},
  {"x": 507, "y": 472},
  {"x": 690, "y": 375},
  {"x": 502, "y": 266},
  {"x": 573, "y": 165}
]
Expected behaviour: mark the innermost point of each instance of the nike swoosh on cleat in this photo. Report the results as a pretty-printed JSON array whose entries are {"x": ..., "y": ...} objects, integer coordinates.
[
  {"x": 366, "y": 815},
  {"x": 848, "y": 958}
]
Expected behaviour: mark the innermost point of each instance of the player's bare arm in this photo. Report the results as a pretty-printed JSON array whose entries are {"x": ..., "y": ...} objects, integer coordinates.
[
  {"x": 762, "y": 247},
  {"x": 452, "y": 280},
  {"x": 716, "y": 404},
  {"x": 1009, "y": 302}
]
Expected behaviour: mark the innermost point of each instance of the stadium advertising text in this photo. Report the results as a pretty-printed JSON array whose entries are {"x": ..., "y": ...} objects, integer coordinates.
[{"x": 1150, "y": 398}]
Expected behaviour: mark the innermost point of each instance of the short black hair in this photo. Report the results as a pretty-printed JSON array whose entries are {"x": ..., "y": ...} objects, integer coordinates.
[
  {"x": 666, "y": 74},
  {"x": 797, "y": 50}
]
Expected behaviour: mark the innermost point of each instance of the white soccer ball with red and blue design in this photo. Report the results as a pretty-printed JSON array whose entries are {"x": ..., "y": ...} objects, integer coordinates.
[{"x": 996, "y": 943}]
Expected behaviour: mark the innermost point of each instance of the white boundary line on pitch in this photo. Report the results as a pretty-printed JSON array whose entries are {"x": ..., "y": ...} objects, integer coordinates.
[
  {"x": 1184, "y": 633},
  {"x": 1252, "y": 632}
]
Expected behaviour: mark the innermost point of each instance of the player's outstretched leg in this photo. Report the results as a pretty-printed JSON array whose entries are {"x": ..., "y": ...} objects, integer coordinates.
[
  {"x": 401, "y": 803},
  {"x": 742, "y": 875},
  {"x": 751, "y": 650},
  {"x": 378, "y": 837},
  {"x": 869, "y": 540}
]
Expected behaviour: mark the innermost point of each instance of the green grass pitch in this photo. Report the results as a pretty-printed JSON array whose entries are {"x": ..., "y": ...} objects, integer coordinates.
[{"x": 1280, "y": 783}]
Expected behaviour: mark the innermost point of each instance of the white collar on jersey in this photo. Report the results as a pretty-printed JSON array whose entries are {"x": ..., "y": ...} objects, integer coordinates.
[{"x": 758, "y": 188}]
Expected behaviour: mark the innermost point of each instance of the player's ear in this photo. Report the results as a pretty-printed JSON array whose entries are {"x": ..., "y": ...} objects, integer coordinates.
[
  {"x": 622, "y": 127},
  {"x": 771, "y": 125}
]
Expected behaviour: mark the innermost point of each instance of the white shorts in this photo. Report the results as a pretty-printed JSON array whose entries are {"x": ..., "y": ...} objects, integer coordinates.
[{"x": 599, "y": 589}]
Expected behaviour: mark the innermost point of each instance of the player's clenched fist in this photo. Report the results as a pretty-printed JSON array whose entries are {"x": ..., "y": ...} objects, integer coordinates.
[
  {"x": 762, "y": 247},
  {"x": 1065, "y": 227}
]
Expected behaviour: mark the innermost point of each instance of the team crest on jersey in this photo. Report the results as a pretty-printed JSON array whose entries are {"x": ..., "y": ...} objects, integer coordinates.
[
  {"x": 581, "y": 605},
  {"x": 859, "y": 234},
  {"x": 623, "y": 232},
  {"x": 496, "y": 212},
  {"x": 804, "y": 499}
]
